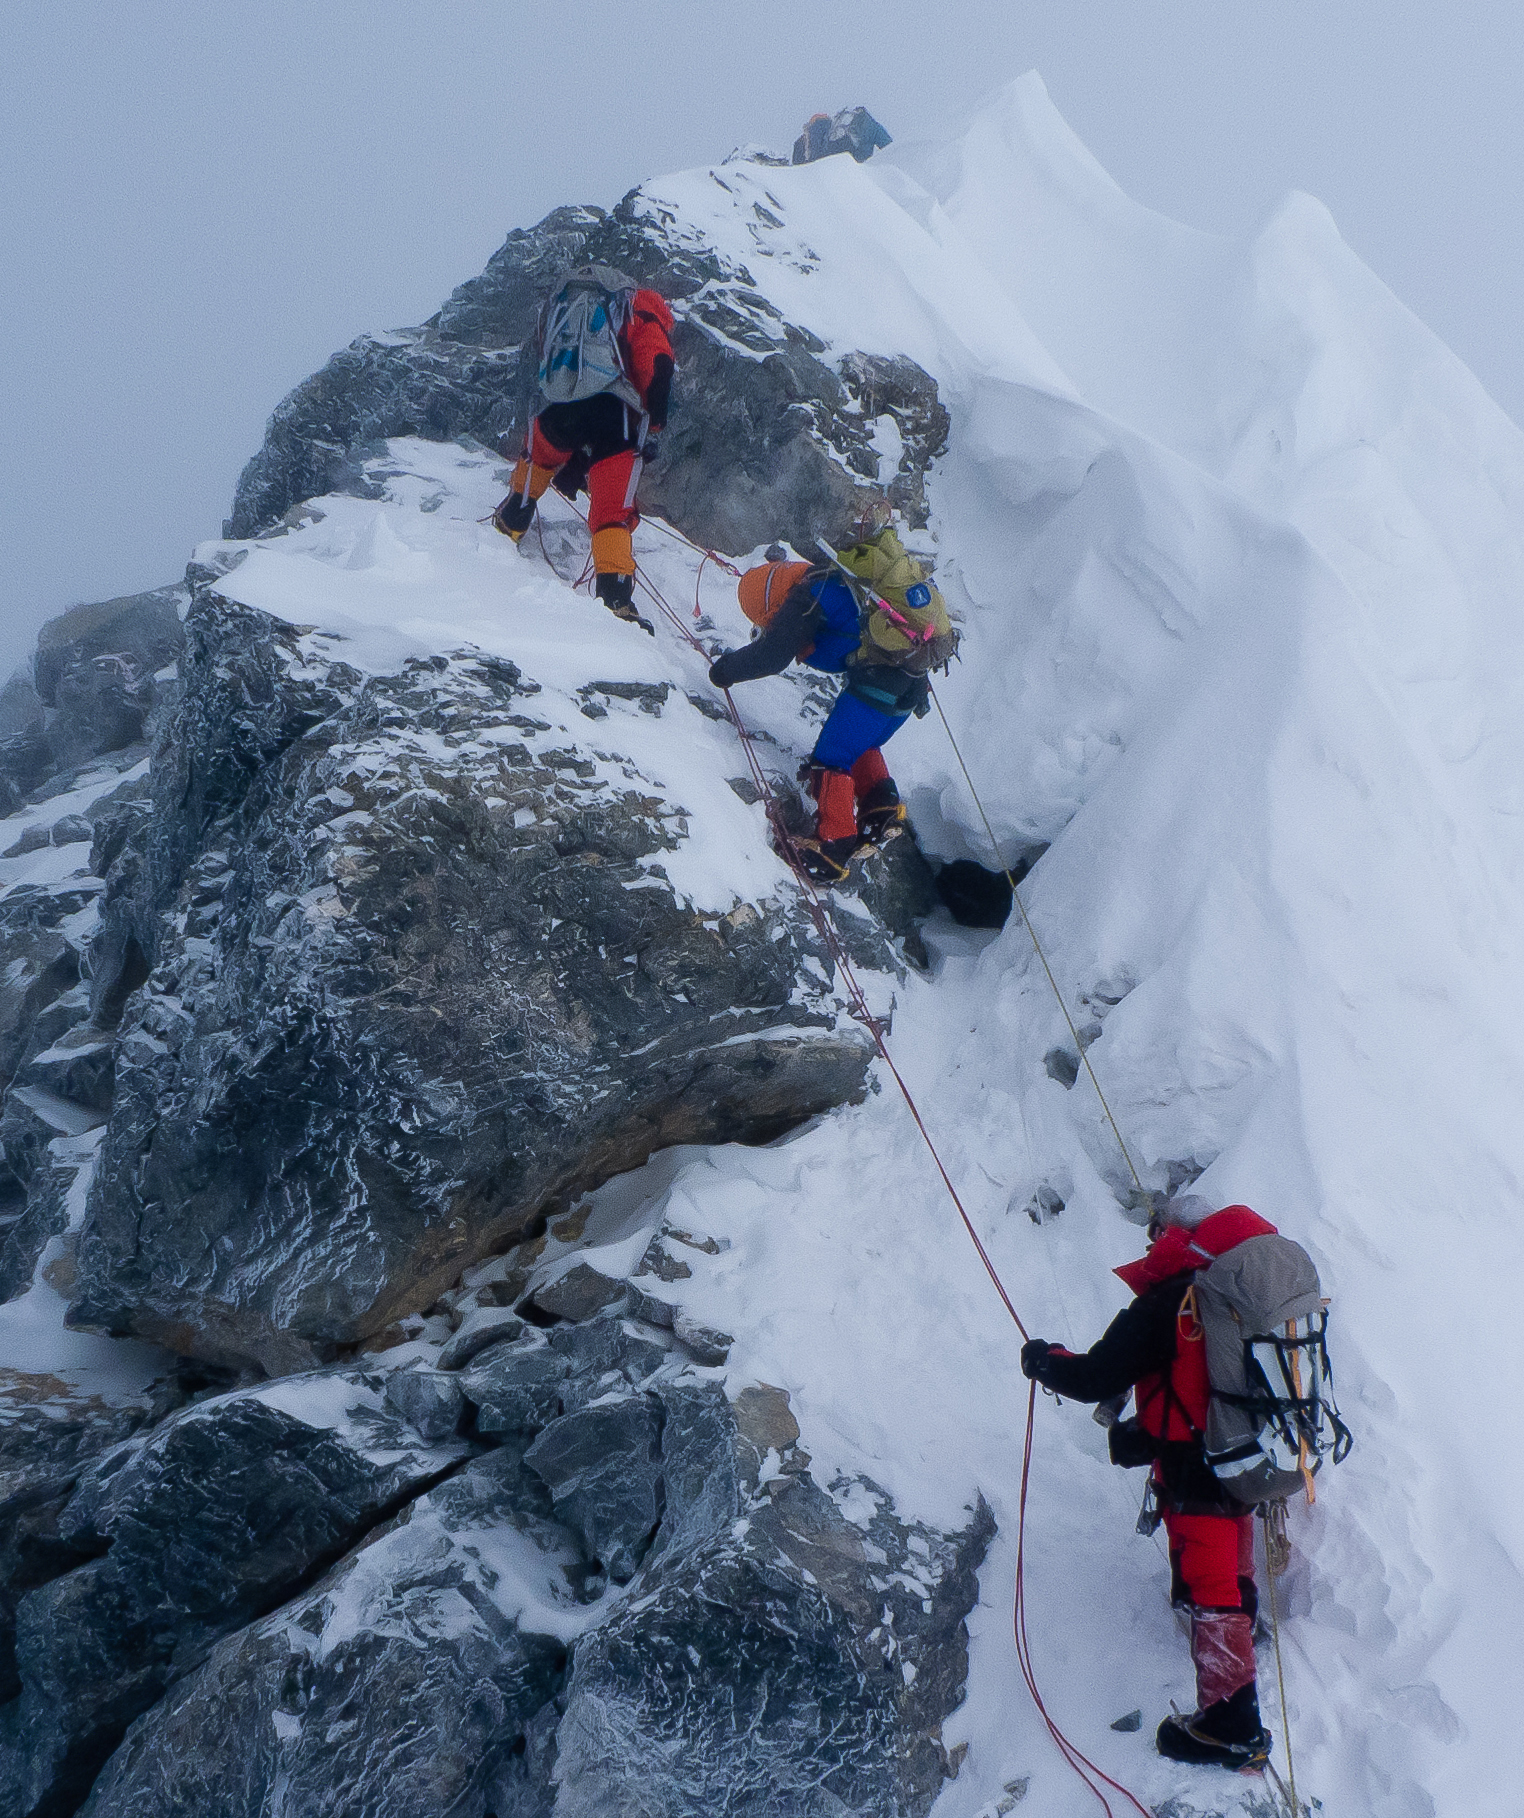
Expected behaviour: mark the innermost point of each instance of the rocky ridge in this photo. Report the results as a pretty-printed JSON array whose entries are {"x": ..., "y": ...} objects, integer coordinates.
[
  {"x": 335, "y": 987},
  {"x": 767, "y": 440}
]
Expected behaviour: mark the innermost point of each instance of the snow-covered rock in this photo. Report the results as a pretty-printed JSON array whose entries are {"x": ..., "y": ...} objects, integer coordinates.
[{"x": 436, "y": 938}]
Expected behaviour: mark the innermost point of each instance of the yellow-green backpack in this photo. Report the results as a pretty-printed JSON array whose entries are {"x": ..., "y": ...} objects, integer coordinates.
[{"x": 905, "y": 622}]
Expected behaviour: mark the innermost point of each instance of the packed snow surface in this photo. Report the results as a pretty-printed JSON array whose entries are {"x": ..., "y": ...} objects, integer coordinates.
[
  {"x": 1237, "y": 547},
  {"x": 1237, "y": 543}
]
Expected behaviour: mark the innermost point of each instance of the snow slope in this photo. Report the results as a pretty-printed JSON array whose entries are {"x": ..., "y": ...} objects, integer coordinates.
[{"x": 1238, "y": 545}]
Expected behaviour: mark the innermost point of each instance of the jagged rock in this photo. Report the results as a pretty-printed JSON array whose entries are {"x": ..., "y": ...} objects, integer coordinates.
[
  {"x": 220, "y": 1515},
  {"x": 457, "y": 375},
  {"x": 25, "y": 759},
  {"x": 79, "y": 1067},
  {"x": 770, "y": 1647},
  {"x": 490, "y": 1326},
  {"x": 610, "y": 1344},
  {"x": 765, "y": 1423},
  {"x": 49, "y": 1431},
  {"x": 70, "y": 829},
  {"x": 404, "y": 1684},
  {"x": 793, "y": 1664},
  {"x": 766, "y": 440},
  {"x": 32, "y": 1120},
  {"x": 116, "y": 816},
  {"x": 707, "y": 1345},
  {"x": 96, "y": 667},
  {"x": 38, "y": 961},
  {"x": 371, "y": 1002},
  {"x": 432, "y": 1403},
  {"x": 700, "y": 1465},
  {"x": 21, "y": 710},
  {"x": 579, "y": 1293},
  {"x": 32, "y": 839},
  {"x": 55, "y": 1187},
  {"x": 899, "y": 888},
  {"x": 650, "y": 1307},
  {"x": 323, "y": 894},
  {"x": 602, "y": 1465},
  {"x": 518, "y": 1388}
]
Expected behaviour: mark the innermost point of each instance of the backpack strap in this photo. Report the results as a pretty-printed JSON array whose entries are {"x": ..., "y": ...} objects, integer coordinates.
[{"x": 1172, "y": 1399}]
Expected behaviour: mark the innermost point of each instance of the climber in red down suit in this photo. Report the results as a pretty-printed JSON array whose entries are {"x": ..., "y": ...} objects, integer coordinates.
[
  {"x": 1155, "y": 1347},
  {"x": 601, "y": 443}
]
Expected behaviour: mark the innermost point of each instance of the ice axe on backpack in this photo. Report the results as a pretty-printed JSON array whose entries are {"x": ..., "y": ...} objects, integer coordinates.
[
  {"x": 915, "y": 634},
  {"x": 928, "y": 645}
]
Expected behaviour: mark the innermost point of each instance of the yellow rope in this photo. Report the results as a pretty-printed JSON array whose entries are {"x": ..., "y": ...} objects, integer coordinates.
[
  {"x": 1271, "y": 1553},
  {"x": 1079, "y": 1046}
]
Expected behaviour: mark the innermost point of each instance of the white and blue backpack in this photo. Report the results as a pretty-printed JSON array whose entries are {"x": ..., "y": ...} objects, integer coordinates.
[
  {"x": 580, "y": 326},
  {"x": 1271, "y": 1420}
]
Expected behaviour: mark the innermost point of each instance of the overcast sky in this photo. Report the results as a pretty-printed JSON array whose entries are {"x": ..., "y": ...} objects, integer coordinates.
[{"x": 203, "y": 199}]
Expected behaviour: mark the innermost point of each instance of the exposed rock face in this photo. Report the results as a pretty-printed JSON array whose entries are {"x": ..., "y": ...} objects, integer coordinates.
[
  {"x": 49, "y": 1433},
  {"x": 217, "y": 1517},
  {"x": 389, "y": 1026},
  {"x": 770, "y": 1656},
  {"x": 766, "y": 440},
  {"x": 405, "y": 1683},
  {"x": 321, "y": 1022},
  {"x": 96, "y": 668}
]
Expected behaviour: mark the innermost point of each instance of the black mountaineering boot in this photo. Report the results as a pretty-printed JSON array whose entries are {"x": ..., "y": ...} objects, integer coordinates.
[
  {"x": 617, "y": 591},
  {"x": 881, "y": 813},
  {"x": 1226, "y": 1734},
  {"x": 827, "y": 862},
  {"x": 514, "y": 516}
]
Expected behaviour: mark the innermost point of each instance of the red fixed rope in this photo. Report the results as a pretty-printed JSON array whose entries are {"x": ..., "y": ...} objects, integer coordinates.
[{"x": 1086, "y": 1769}]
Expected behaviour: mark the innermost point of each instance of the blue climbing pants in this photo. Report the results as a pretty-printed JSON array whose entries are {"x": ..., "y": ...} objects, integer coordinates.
[{"x": 852, "y": 728}]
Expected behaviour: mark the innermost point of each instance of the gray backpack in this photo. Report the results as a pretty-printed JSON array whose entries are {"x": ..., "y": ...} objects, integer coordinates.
[
  {"x": 1272, "y": 1419},
  {"x": 580, "y": 325}
]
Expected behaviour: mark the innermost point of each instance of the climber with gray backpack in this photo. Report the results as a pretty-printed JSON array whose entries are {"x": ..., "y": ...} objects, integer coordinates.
[
  {"x": 605, "y": 378},
  {"x": 1224, "y": 1350}
]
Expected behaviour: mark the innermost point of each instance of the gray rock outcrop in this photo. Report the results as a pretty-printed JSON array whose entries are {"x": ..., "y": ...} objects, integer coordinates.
[
  {"x": 313, "y": 1053},
  {"x": 218, "y": 1516},
  {"x": 766, "y": 1655},
  {"x": 767, "y": 439},
  {"x": 386, "y": 1027}
]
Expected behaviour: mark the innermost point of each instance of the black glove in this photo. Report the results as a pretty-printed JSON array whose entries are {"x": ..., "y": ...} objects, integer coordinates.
[
  {"x": 572, "y": 478},
  {"x": 650, "y": 449},
  {"x": 1130, "y": 1445},
  {"x": 719, "y": 675},
  {"x": 1034, "y": 1358}
]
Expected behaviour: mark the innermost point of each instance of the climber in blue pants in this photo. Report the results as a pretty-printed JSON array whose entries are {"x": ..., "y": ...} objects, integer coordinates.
[{"x": 810, "y": 614}]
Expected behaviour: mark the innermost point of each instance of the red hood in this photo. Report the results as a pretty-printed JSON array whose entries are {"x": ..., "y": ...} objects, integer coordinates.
[
  {"x": 1177, "y": 1249},
  {"x": 653, "y": 305}
]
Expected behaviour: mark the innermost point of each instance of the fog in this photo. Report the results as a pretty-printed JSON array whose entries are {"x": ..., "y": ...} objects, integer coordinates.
[{"x": 202, "y": 203}]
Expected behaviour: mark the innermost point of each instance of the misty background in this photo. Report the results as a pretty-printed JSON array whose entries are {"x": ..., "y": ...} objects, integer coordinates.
[{"x": 201, "y": 202}]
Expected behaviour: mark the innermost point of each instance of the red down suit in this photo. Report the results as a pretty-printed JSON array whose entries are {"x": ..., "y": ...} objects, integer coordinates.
[{"x": 1156, "y": 1347}]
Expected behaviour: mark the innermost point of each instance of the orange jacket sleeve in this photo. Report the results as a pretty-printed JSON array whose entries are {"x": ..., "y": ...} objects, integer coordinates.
[{"x": 648, "y": 350}]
